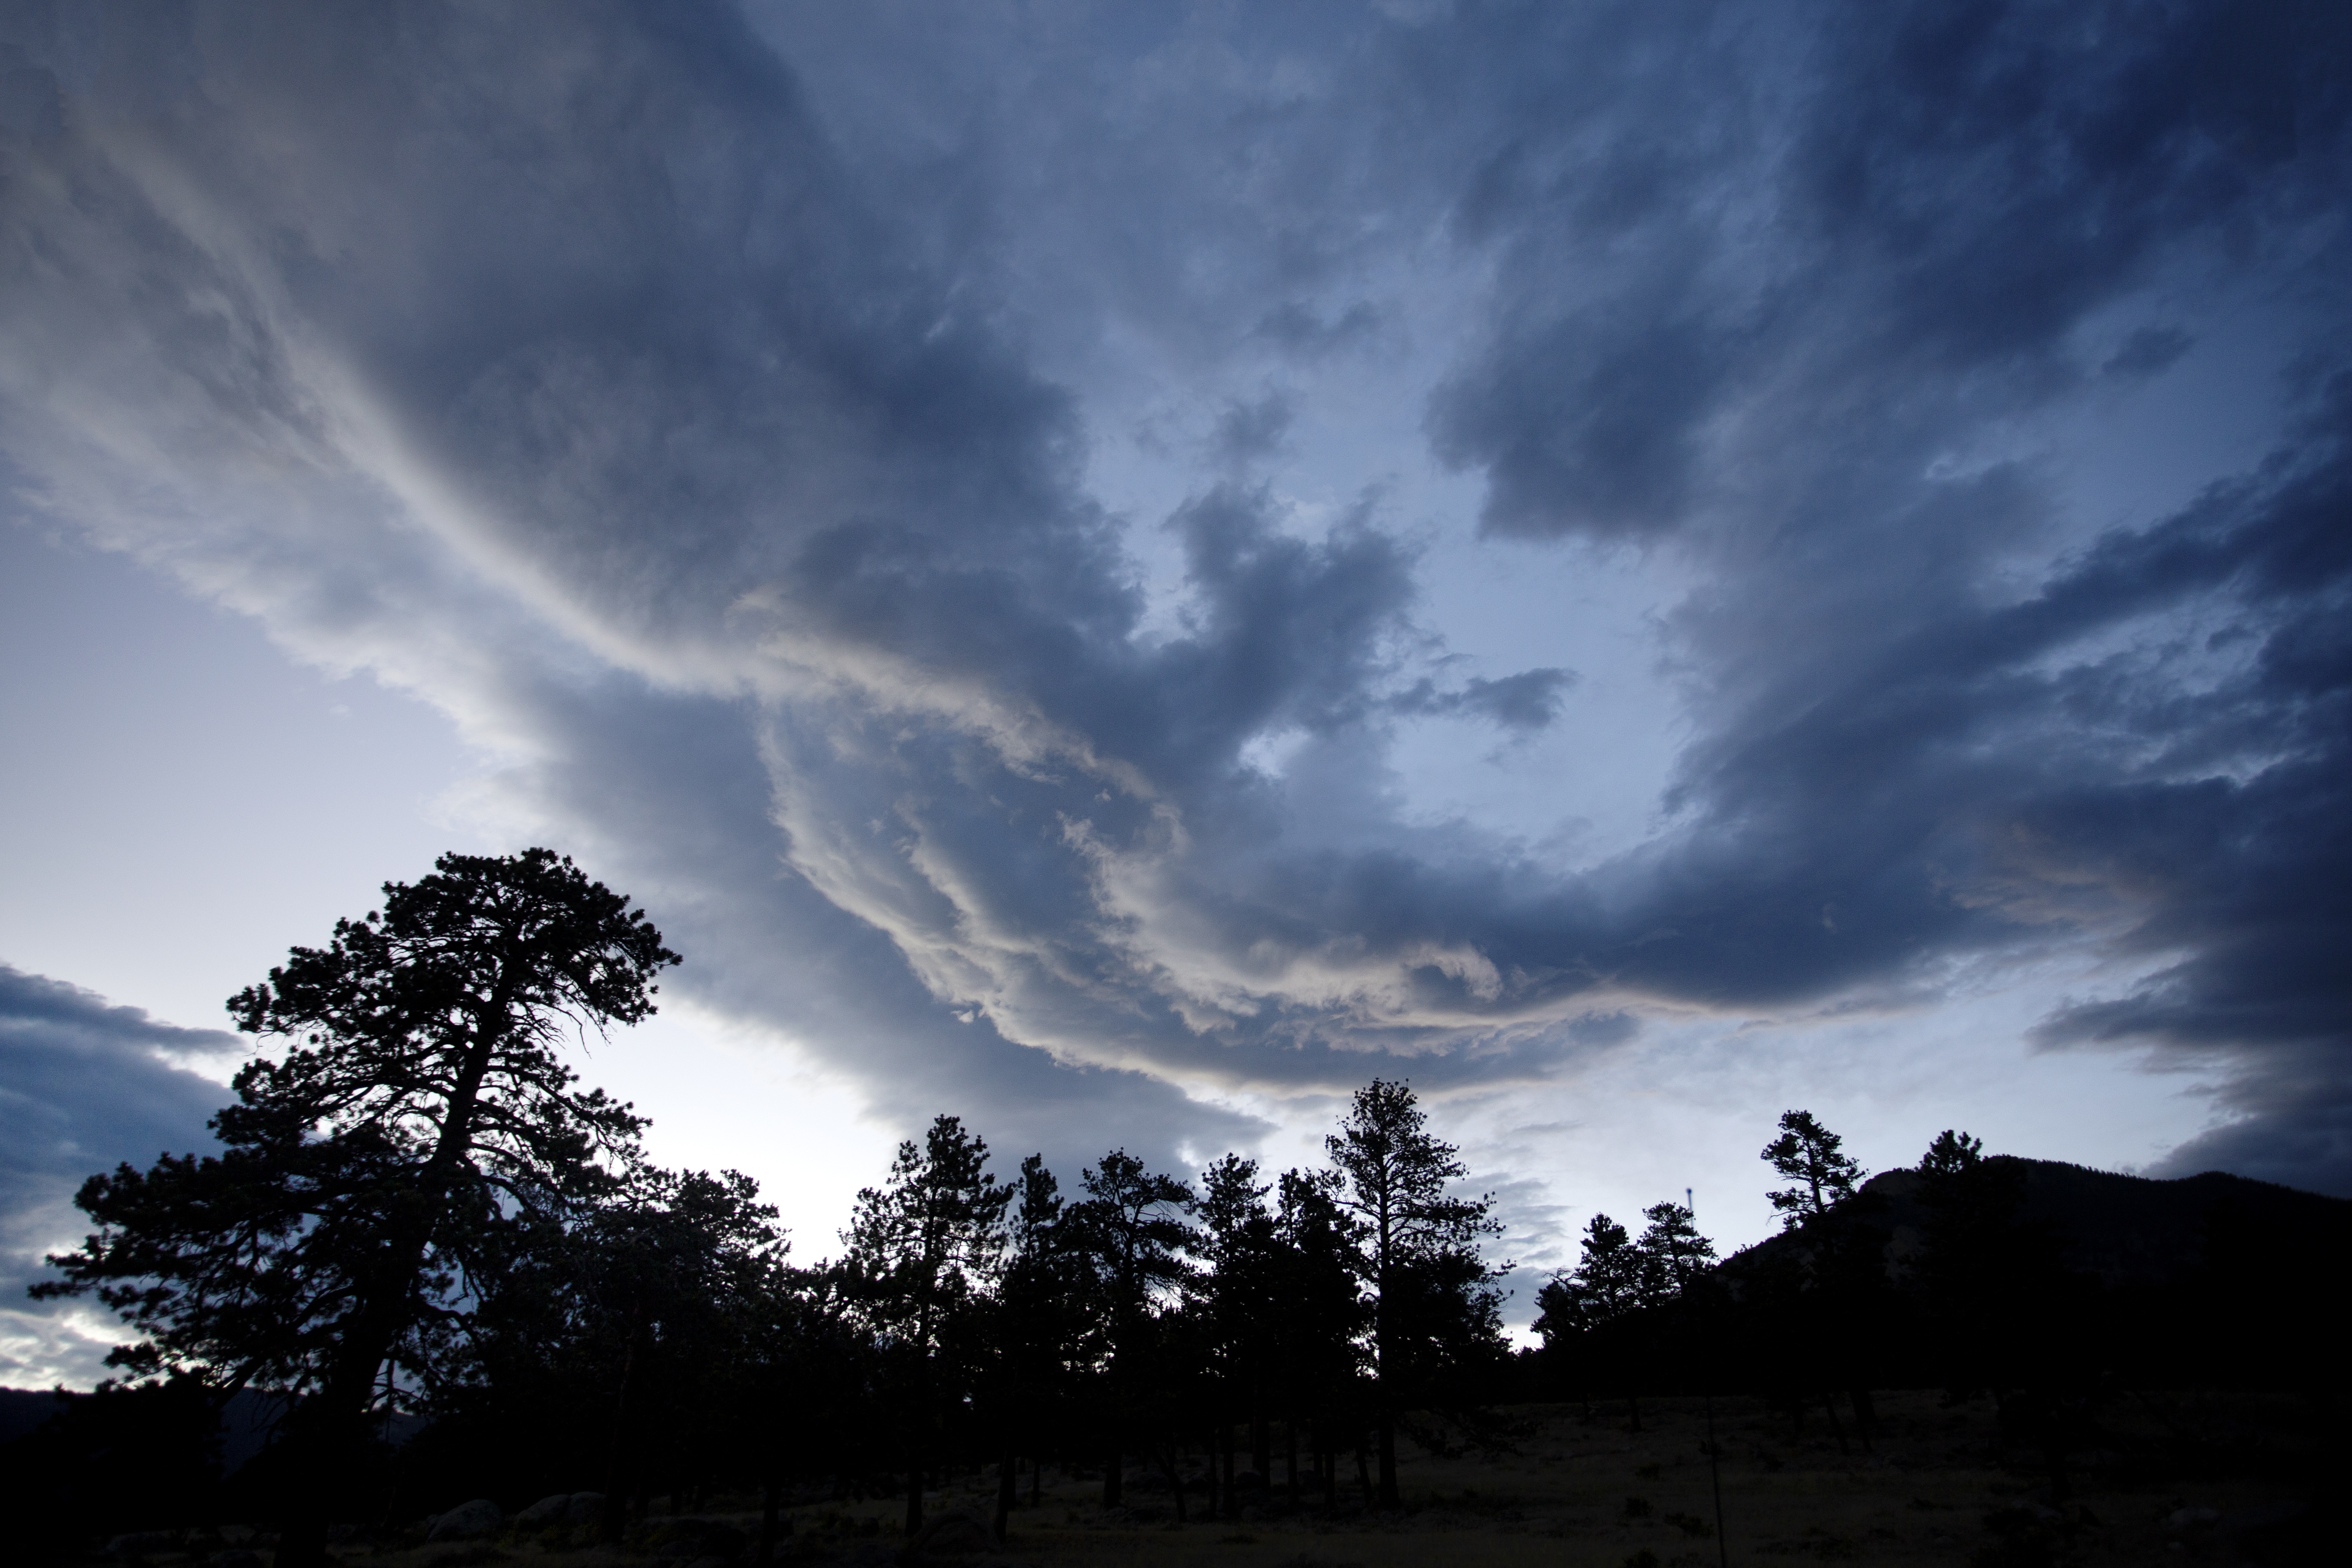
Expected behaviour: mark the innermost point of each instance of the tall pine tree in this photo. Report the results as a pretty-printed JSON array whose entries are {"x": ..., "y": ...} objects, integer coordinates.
[
  {"x": 366, "y": 1170},
  {"x": 1417, "y": 1237}
]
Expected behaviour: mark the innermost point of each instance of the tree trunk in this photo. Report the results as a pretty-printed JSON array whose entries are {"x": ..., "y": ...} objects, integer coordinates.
[
  {"x": 2053, "y": 1447},
  {"x": 1261, "y": 1440},
  {"x": 1036, "y": 1481},
  {"x": 1364, "y": 1474},
  {"x": 1328, "y": 1443},
  {"x": 1634, "y": 1405},
  {"x": 1233, "y": 1499},
  {"x": 1008, "y": 1490},
  {"x": 330, "y": 1427},
  {"x": 1114, "y": 1486},
  {"x": 1383, "y": 1416},
  {"x": 914, "y": 1493},
  {"x": 1829, "y": 1402},
  {"x": 324, "y": 1442},
  {"x": 1175, "y": 1480},
  {"x": 772, "y": 1501},
  {"x": 331, "y": 1422},
  {"x": 1209, "y": 1476},
  {"x": 1290, "y": 1459},
  {"x": 618, "y": 1455}
]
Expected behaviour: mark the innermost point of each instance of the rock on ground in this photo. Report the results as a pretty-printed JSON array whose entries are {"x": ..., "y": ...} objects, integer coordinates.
[
  {"x": 954, "y": 1532},
  {"x": 561, "y": 1508},
  {"x": 546, "y": 1513},
  {"x": 142, "y": 1540},
  {"x": 467, "y": 1522},
  {"x": 689, "y": 1540}
]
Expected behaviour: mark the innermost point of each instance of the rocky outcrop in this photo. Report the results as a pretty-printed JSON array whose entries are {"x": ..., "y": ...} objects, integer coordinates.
[
  {"x": 562, "y": 1510},
  {"x": 467, "y": 1522},
  {"x": 954, "y": 1533}
]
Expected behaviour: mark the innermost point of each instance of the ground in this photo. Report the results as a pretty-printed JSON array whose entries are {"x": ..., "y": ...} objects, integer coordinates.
[{"x": 2177, "y": 1478}]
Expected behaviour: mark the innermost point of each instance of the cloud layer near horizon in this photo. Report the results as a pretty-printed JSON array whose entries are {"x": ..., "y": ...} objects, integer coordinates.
[
  {"x": 848, "y": 468},
  {"x": 85, "y": 1087}
]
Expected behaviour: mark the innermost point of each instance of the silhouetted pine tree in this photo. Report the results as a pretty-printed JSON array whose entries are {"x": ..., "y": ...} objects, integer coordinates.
[
  {"x": 1320, "y": 1334},
  {"x": 1674, "y": 1258},
  {"x": 1048, "y": 1337},
  {"x": 1234, "y": 1296},
  {"x": 1613, "y": 1279},
  {"x": 367, "y": 1170},
  {"x": 1990, "y": 1281},
  {"x": 685, "y": 1271},
  {"x": 793, "y": 1401},
  {"x": 1131, "y": 1229},
  {"x": 1807, "y": 1155},
  {"x": 1606, "y": 1284},
  {"x": 1419, "y": 1242},
  {"x": 923, "y": 1249},
  {"x": 1843, "y": 1283}
]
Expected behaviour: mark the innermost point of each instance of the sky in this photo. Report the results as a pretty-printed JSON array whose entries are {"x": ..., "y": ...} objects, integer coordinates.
[{"x": 1120, "y": 569}]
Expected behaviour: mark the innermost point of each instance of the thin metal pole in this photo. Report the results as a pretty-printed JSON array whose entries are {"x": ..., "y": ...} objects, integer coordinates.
[{"x": 1706, "y": 1394}]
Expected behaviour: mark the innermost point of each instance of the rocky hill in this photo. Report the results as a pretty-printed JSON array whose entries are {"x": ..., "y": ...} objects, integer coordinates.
[
  {"x": 2120, "y": 1231},
  {"x": 2036, "y": 1273}
]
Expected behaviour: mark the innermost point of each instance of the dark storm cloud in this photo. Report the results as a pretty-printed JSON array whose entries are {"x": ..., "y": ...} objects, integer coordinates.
[
  {"x": 2238, "y": 860},
  {"x": 608, "y": 318},
  {"x": 1526, "y": 702},
  {"x": 1301, "y": 331},
  {"x": 1590, "y": 427},
  {"x": 1900, "y": 768},
  {"x": 1248, "y": 432},
  {"x": 1915, "y": 196},
  {"x": 84, "y": 1087},
  {"x": 710, "y": 419},
  {"x": 2151, "y": 350}
]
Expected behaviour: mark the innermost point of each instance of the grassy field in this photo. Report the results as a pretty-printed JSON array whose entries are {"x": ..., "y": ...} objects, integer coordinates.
[{"x": 2180, "y": 1478}]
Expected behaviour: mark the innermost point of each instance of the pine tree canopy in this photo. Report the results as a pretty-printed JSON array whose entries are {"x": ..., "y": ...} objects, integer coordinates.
[
  {"x": 424, "y": 1107},
  {"x": 1806, "y": 1155}
]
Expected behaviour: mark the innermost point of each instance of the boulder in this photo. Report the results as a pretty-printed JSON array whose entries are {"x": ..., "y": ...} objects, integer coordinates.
[
  {"x": 467, "y": 1522},
  {"x": 587, "y": 1508},
  {"x": 546, "y": 1513},
  {"x": 693, "y": 1540},
  {"x": 2278, "y": 1532},
  {"x": 954, "y": 1533},
  {"x": 139, "y": 1542},
  {"x": 234, "y": 1557}
]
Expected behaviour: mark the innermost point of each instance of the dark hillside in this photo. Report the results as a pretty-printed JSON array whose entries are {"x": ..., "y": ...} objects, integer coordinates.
[
  {"x": 23, "y": 1409},
  {"x": 2023, "y": 1274},
  {"x": 2114, "y": 1229}
]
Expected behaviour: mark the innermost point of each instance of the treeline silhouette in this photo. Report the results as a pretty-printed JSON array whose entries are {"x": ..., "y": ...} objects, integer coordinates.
[
  {"x": 448, "y": 1271},
  {"x": 418, "y": 1212},
  {"x": 2049, "y": 1289}
]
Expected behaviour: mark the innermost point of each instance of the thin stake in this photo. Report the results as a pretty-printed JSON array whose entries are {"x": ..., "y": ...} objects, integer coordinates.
[{"x": 1706, "y": 1394}]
